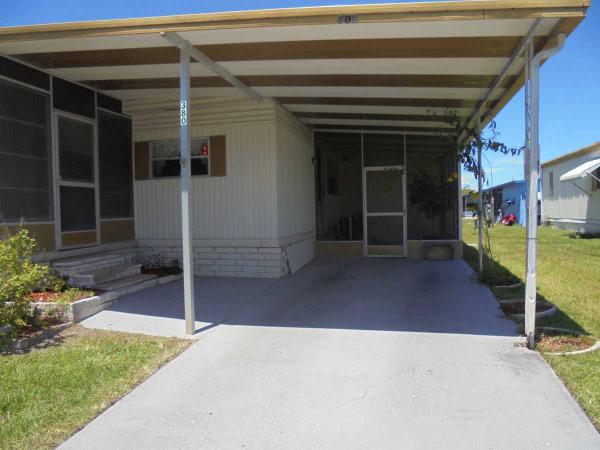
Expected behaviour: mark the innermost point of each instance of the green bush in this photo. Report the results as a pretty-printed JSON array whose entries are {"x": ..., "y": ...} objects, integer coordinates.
[{"x": 19, "y": 277}]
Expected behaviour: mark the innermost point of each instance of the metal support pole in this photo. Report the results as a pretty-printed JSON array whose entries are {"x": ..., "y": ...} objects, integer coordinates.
[
  {"x": 186, "y": 220},
  {"x": 528, "y": 54},
  {"x": 480, "y": 192},
  {"x": 533, "y": 162},
  {"x": 533, "y": 166}
]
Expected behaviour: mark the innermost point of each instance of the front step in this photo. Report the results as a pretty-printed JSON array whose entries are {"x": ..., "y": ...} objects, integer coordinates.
[
  {"x": 103, "y": 275},
  {"x": 134, "y": 281},
  {"x": 87, "y": 264}
]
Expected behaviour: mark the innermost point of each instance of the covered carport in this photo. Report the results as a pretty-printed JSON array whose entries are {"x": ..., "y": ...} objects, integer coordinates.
[
  {"x": 346, "y": 353},
  {"x": 397, "y": 67}
]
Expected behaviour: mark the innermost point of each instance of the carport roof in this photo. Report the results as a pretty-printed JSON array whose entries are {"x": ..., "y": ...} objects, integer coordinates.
[{"x": 384, "y": 66}]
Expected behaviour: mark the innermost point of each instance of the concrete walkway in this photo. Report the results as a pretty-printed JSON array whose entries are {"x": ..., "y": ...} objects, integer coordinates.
[{"x": 355, "y": 354}]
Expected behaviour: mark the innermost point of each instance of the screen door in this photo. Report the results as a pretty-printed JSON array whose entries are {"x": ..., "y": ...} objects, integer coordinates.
[
  {"x": 384, "y": 207},
  {"x": 77, "y": 181}
]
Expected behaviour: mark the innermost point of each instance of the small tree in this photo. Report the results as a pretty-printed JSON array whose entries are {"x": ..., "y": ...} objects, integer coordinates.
[
  {"x": 466, "y": 140},
  {"x": 19, "y": 277}
]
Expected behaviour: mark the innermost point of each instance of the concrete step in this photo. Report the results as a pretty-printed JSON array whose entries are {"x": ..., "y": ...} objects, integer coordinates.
[
  {"x": 129, "y": 284},
  {"x": 104, "y": 274},
  {"x": 84, "y": 264}
]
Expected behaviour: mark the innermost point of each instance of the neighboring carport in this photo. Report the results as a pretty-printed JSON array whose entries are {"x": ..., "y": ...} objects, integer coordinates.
[{"x": 398, "y": 67}]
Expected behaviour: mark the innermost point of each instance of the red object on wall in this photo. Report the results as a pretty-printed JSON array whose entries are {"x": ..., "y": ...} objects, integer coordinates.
[{"x": 204, "y": 150}]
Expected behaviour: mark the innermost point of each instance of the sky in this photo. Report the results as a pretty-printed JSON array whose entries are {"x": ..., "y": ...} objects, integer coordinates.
[{"x": 569, "y": 85}]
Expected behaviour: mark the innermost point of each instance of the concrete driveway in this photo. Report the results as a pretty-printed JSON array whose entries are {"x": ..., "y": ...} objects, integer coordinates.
[{"x": 349, "y": 354}]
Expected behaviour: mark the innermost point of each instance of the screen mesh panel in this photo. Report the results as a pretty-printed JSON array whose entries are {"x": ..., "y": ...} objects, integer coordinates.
[
  {"x": 77, "y": 208},
  {"x": 76, "y": 150},
  {"x": 432, "y": 186},
  {"x": 21, "y": 104},
  {"x": 23, "y": 73},
  {"x": 73, "y": 98},
  {"x": 25, "y": 155},
  {"x": 115, "y": 158},
  {"x": 339, "y": 206},
  {"x": 106, "y": 102},
  {"x": 383, "y": 150}
]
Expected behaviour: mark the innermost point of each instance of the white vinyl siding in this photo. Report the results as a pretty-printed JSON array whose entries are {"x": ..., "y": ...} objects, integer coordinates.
[
  {"x": 240, "y": 205},
  {"x": 295, "y": 178}
]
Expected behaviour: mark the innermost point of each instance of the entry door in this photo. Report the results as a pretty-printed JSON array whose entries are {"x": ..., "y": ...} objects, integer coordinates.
[
  {"x": 384, "y": 218},
  {"x": 77, "y": 181}
]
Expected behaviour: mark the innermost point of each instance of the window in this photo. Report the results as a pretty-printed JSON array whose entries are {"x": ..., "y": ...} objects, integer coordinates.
[
  {"x": 551, "y": 183},
  {"x": 25, "y": 162},
  {"x": 596, "y": 180},
  {"x": 166, "y": 155}
]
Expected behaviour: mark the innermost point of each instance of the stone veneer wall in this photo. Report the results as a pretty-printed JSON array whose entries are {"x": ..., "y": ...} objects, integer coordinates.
[{"x": 257, "y": 262}]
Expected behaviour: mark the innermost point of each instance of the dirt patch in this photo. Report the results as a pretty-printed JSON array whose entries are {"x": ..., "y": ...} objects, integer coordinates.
[
  {"x": 562, "y": 342},
  {"x": 519, "y": 307}
]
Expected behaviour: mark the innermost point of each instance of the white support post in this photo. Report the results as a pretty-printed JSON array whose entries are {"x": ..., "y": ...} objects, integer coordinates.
[
  {"x": 533, "y": 161},
  {"x": 528, "y": 54},
  {"x": 186, "y": 219},
  {"x": 480, "y": 192},
  {"x": 533, "y": 167}
]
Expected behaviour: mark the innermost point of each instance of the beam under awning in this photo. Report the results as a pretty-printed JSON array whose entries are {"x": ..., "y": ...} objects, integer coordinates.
[{"x": 213, "y": 66}]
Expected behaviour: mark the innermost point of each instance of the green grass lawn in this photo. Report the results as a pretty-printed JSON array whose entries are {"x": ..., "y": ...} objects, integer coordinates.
[
  {"x": 48, "y": 394},
  {"x": 568, "y": 275}
]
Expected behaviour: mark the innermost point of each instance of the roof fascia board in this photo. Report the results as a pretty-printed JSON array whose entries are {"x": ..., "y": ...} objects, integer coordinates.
[{"x": 461, "y": 10}]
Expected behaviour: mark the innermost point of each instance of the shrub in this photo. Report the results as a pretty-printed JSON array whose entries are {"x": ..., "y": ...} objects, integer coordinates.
[
  {"x": 71, "y": 295},
  {"x": 19, "y": 277}
]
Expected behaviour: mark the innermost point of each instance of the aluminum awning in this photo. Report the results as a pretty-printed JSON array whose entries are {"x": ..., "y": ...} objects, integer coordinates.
[
  {"x": 581, "y": 171},
  {"x": 387, "y": 66}
]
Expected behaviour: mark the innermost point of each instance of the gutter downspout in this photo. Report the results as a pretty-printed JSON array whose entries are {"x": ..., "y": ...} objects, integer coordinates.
[{"x": 533, "y": 165}]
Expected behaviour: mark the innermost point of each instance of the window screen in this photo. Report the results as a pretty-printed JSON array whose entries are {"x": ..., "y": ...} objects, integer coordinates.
[
  {"x": 165, "y": 158},
  {"x": 77, "y": 208},
  {"x": 25, "y": 156},
  {"x": 76, "y": 150},
  {"x": 114, "y": 155}
]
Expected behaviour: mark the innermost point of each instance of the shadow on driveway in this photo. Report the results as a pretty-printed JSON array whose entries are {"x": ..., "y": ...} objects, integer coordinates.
[{"x": 357, "y": 294}]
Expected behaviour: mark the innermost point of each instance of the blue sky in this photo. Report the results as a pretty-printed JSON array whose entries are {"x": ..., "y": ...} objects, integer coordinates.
[{"x": 570, "y": 82}]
